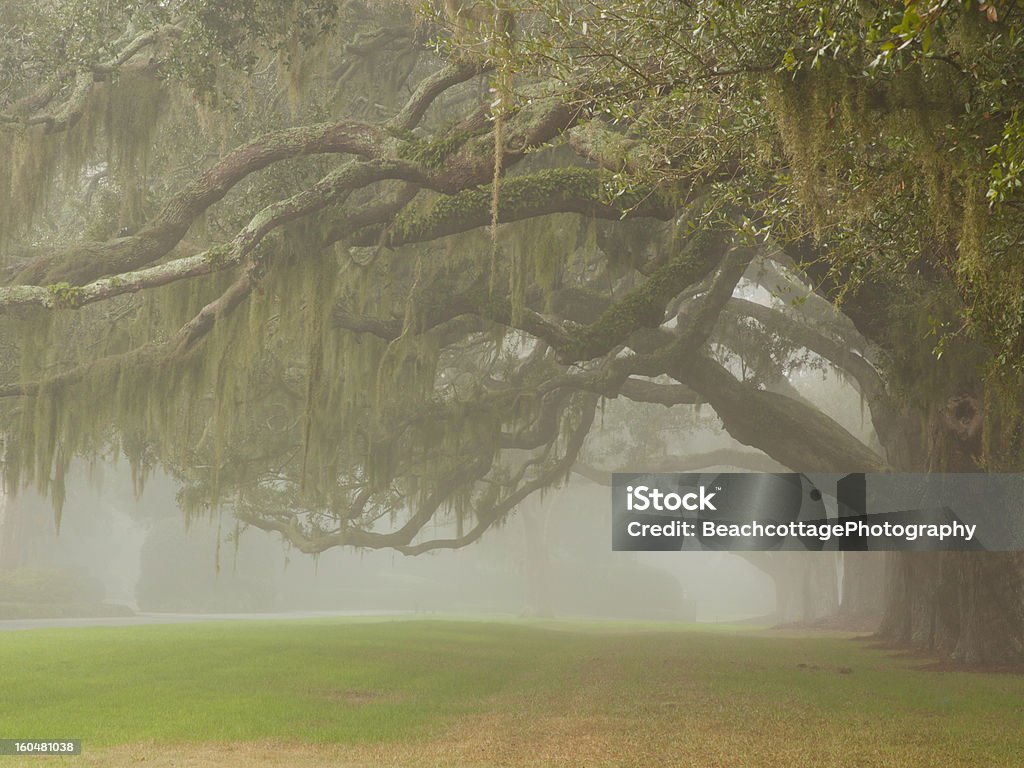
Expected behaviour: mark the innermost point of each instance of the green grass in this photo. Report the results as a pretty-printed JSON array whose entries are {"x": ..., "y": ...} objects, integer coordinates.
[
  {"x": 240, "y": 681},
  {"x": 737, "y": 697}
]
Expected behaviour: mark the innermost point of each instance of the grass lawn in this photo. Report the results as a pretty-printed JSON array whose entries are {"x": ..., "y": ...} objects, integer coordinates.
[{"x": 466, "y": 693}]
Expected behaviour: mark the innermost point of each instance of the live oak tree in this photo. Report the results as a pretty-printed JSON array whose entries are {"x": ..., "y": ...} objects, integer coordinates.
[
  {"x": 879, "y": 145},
  {"x": 366, "y": 275}
]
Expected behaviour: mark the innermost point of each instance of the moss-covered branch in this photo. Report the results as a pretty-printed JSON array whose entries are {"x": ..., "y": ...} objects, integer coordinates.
[
  {"x": 469, "y": 167},
  {"x": 216, "y": 259},
  {"x": 557, "y": 190},
  {"x": 486, "y": 513},
  {"x": 431, "y": 87},
  {"x": 644, "y": 306}
]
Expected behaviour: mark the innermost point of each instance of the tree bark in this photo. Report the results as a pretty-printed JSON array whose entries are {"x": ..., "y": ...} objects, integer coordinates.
[
  {"x": 991, "y": 592},
  {"x": 967, "y": 606}
]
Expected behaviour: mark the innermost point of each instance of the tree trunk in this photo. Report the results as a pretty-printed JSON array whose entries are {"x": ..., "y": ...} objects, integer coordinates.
[
  {"x": 991, "y": 609},
  {"x": 913, "y": 599},
  {"x": 968, "y": 606}
]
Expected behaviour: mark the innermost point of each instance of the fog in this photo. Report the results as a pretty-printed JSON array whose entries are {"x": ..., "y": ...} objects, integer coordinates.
[
  {"x": 120, "y": 552},
  {"x": 138, "y": 554}
]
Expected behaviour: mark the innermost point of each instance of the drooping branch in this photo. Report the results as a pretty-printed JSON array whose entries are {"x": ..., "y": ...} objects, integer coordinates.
[
  {"x": 552, "y": 474},
  {"x": 544, "y": 430},
  {"x": 469, "y": 166},
  {"x": 401, "y": 539},
  {"x": 159, "y": 236},
  {"x": 328, "y": 190},
  {"x": 551, "y": 189},
  {"x": 147, "y": 356},
  {"x": 199, "y": 326}
]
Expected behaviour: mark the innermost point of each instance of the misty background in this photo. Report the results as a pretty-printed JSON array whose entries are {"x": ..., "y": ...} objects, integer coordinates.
[{"x": 119, "y": 552}]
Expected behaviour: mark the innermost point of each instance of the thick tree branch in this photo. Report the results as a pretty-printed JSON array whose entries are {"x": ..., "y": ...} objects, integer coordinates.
[
  {"x": 430, "y": 88},
  {"x": 866, "y": 376},
  {"x": 559, "y": 190},
  {"x": 328, "y": 190},
  {"x": 471, "y": 165},
  {"x": 792, "y": 433}
]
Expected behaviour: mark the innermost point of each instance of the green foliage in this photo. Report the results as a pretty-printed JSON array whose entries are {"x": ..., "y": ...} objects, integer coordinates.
[
  {"x": 433, "y": 152},
  {"x": 889, "y": 134},
  {"x": 232, "y": 32},
  {"x": 66, "y": 296}
]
